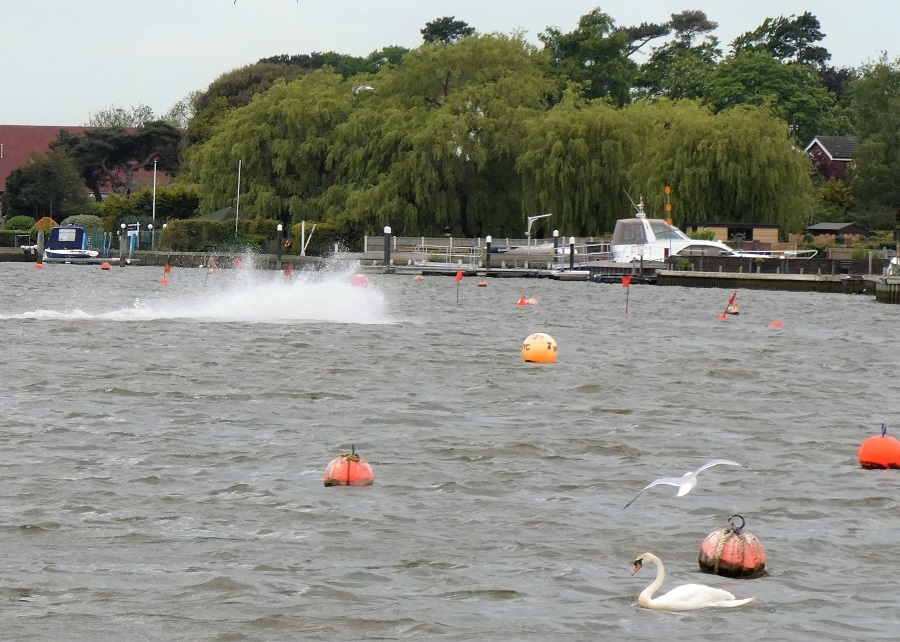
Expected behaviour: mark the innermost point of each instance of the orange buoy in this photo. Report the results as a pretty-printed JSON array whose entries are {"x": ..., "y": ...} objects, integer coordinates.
[
  {"x": 164, "y": 281},
  {"x": 39, "y": 265},
  {"x": 732, "y": 552},
  {"x": 349, "y": 470},
  {"x": 419, "y": 277},
  {"x": 105, "y": 265},
  {"x": 482, "y": 284},
  {"x": 522, "y": 301},
  {"x": 880, "y": 451},
  {"x": 539, "y": 348},
  {"x": 359, "y": 280},
  {"x": 776, "y": 324}
]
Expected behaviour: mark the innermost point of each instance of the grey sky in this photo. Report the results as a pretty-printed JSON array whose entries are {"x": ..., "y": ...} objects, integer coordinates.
[{"x": 62, "y": 60}]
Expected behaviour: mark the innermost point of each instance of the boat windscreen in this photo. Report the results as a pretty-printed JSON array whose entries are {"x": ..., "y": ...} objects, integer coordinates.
[
  {"x": 629, "y": 232},
  {"x": 665, "y": 232}
]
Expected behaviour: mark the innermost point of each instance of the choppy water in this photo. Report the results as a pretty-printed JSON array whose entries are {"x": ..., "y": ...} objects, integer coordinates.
[{"x": 163, "y": 450}]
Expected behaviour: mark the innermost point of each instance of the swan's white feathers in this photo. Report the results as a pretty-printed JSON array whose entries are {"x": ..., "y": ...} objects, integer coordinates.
[{"x": 687, "y": 597}]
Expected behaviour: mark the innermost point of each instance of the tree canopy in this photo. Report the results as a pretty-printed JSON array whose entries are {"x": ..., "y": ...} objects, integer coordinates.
[{"x": 48, "y": 185}]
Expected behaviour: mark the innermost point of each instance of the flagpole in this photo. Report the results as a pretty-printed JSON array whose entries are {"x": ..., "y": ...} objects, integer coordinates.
[{"x": 724, "y": 315}]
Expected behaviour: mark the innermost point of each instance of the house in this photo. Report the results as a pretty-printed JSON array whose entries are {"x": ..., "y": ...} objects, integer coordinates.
[
  {"x": 832, "y": 154},
  {"x": 828, "y": 232},
  {"x": 19, "y": 142},
  {"x": 757, "y": 236}
]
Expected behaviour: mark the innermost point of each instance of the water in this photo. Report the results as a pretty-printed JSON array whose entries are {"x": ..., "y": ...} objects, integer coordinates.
[{"x": 164, "y": 448}]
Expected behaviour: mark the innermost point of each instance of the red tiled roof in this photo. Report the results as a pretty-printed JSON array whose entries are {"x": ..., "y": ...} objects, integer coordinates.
[{"x": 19, "y": 142}]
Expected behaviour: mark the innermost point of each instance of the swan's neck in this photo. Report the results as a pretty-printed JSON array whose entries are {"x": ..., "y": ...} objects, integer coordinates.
[{"x": 646, "y": 597}]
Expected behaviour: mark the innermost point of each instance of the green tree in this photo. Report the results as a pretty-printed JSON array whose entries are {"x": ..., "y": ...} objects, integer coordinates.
[
  {"x": 111, "y": 155},
  {"x": 436, "y": 148},
  {"x": 446, "y": 30},
  {"x": 48, "y": 185},
  {"x": 594, "y": 55},
  {"x": 793, "y": 92},
  {"x": 235, "y": 89},
  {"x": 875, "y": 102},
  {"x": 789, "y": 39},
  {"x": 734, "y": 166}
]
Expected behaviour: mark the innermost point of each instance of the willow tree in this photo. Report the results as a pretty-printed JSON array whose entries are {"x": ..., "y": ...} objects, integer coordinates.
[
  {"x": 435, "y": 148},
  {"x": 282, "y": 140},
  {"x": 734, "y": 166},
  {"x": 576, "y": 163}
]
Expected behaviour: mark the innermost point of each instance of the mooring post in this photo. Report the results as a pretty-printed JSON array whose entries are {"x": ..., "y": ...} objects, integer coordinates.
[
  {"x": 123, "y": 245},
  {"x": 487, "y": 260},
  {"x": 387, "y": 248},
  {"x": 279, "y": 240},
  {"x": 571, "y": 252}
]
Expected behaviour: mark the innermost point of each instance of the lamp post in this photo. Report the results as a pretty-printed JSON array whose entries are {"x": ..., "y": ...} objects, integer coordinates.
[
  {"x": 153, "y": 215},
  {"x": 152, "y": 239}
]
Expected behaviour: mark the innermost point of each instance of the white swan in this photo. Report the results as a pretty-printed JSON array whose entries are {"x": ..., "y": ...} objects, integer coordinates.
[{"x": 686, "y": 597}]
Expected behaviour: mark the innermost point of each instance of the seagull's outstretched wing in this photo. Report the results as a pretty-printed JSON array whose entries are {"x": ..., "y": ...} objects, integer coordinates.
[
  {"x": 671, "y": 481},
  {"x": 716, "y": 462}
]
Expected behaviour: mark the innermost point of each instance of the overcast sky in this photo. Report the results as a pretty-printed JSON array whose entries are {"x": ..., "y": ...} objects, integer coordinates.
[{"x": 62, "y": 60}]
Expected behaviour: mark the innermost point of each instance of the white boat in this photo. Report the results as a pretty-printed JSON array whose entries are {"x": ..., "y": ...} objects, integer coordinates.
[
  {"x": 653, "y": 239},
  {"x": 68, "y": 242}
]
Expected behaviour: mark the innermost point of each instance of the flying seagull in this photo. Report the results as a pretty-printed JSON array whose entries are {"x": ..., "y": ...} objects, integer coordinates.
[
  {"x": 686, "y": 482},
  {"x": 359, "y": 88}
]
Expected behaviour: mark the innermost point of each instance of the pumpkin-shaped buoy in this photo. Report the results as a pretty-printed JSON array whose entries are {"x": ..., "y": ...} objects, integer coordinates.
[
  {"x": 349, "y": 470},
  {"x": 880, "y": 451},
  {"x": 732, "y": 552},
  {"x": 539, "y": 348}
]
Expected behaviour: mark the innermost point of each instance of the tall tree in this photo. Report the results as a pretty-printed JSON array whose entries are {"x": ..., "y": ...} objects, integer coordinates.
[
  {"x": 121, "y": 117},
  {"x": 594, "y": 55},
  {"x": 48, "y": 185},
  {"x": 109, "y": 156},
  {"x": 875, "y": 100},
  {"x": 789, "y": 39},
  {"x": 756, "y": 78},
  {"x": 446, "y": 30}
]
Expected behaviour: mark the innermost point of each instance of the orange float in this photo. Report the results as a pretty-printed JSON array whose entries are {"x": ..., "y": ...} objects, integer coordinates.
[
  {"x": 522, "y": 301},
  {"x": 39, "y": 265},
  {"x": 482, "y": 284},
  {"x": 776, "y": 324},
  {"x": 105, "y": 266},
  {"x": 419, "y": 277},
  {"x": 732, "y": 552},
  {"x": 349, "y": 470},
  {"x": 359, "y": 280},
  {"x": 880, "y": 451},
  {"x": 539, "y": 348}
]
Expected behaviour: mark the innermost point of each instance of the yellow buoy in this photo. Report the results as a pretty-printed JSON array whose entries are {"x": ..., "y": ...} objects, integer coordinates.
[{"x": 539, "y": 348}]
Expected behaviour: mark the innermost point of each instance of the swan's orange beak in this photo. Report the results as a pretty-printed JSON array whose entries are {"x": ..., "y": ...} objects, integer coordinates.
[{"x": 638, "y": 564}]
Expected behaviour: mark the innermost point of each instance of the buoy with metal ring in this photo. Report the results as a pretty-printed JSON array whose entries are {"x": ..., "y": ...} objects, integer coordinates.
[
  {"x": 732, "y": 552},
  {"x": 880, "y": 451},
  {"x": 349, "y": 470},
  {"x": 539, "y": 348}
]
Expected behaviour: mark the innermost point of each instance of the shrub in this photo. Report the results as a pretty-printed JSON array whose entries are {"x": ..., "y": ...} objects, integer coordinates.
[
  {"x": 89, "y": 222},
  {"x": 20, "y": 222}
]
